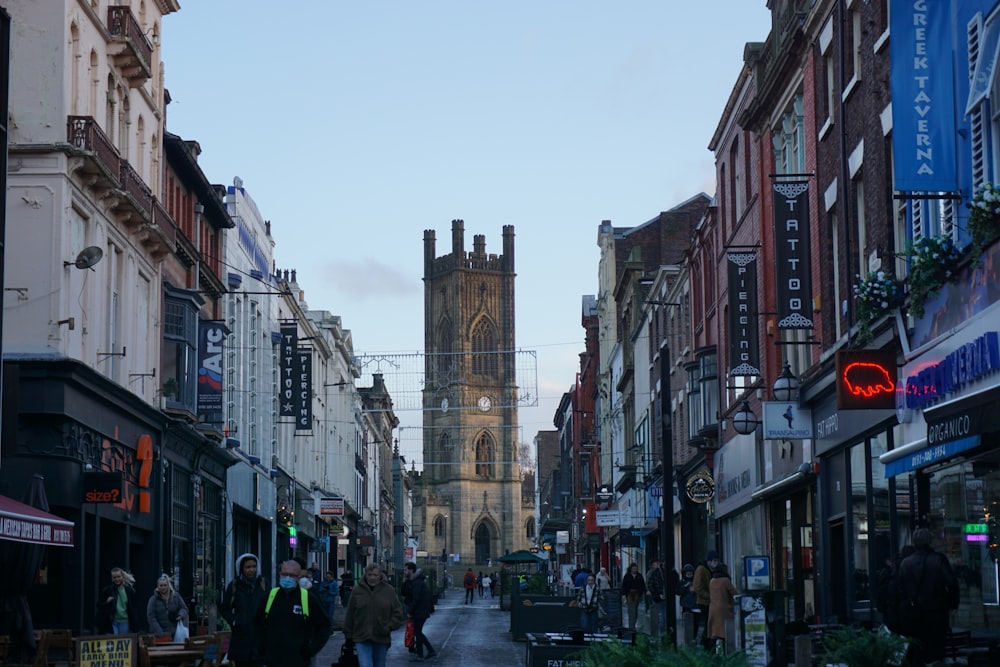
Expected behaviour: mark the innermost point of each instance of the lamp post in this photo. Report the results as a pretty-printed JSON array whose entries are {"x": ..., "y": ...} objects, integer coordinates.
[{"x": 667, "y": 497}]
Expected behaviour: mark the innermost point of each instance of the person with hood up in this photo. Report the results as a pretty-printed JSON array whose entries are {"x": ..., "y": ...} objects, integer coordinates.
[
  {"x": 373, "y": 612},
  {"x": 420, "y": 609},
  {"x": 291, "y": 625},
  {"x": 242, "y": 597}
]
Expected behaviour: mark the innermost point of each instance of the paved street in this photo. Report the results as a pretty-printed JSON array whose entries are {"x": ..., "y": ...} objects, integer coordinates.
[{"x": 476, "y": 634}]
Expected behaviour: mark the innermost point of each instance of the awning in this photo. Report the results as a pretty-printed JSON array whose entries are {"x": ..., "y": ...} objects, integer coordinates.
[
  {"x": 919, "y": 454},
  {"x": 24, "y": 523}
]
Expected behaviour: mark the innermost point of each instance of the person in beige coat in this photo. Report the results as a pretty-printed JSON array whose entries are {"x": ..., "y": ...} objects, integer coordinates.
[
  {"x": 720, "y": 606},
  {"x": 373, "y": 612}
]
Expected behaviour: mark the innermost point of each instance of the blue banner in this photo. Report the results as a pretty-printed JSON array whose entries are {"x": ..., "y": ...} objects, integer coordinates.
[
  {"x": 923, "y": 96},
  {"x": 211, "y": 345}
]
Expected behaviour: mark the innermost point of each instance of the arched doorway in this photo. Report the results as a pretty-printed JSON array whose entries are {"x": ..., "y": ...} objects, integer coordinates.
[{"x": 482, "y": 543}]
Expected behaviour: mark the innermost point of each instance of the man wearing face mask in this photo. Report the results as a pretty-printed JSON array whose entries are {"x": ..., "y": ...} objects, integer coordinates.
[{"x": 292, "y": 625}]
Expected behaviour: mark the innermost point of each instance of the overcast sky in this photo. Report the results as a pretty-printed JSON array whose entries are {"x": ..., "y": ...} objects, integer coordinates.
[{"x": 355, "y": 126}]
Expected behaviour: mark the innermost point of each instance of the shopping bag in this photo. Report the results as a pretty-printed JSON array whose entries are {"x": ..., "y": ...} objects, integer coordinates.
[
  {"x": 408, "y": 634},
  {"x": 181, "y": 633}
]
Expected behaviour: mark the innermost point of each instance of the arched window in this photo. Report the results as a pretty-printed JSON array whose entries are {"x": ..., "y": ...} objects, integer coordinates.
[
  {"x": 529, "y": 528},
  {"x": 444, "y": 351},
  {"x": 438, "y": 526},
  {"x": 484, "y": 349},
  {"x": 484, "y": 455}
]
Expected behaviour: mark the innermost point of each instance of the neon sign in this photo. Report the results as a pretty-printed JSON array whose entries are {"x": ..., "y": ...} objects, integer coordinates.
[
  {"x": 968, "y": 363},
  {"x": 866, "y": 380}
]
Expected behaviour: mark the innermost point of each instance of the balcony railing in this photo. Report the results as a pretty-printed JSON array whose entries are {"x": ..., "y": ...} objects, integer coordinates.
[
  {"x": 84, "y": 133},
  {"x": 163, "y": 220},
  {"x": 136, "y": 189},
  {"x": 131, "y": 50}
]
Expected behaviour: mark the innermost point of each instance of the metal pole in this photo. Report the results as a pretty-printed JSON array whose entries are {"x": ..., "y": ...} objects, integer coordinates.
[{"x": 667, "y": 497}]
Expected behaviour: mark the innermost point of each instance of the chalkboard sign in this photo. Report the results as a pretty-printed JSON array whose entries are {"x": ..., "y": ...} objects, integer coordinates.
[{"x": 612, "y": 603}]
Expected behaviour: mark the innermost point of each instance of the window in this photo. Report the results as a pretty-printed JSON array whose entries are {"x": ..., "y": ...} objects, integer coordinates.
[
  {"x": 529, "y": 528},
  {"x": 439, "y": 526},
  {"x": 585, "y": 483},
  {"x": 694, "y": 403},
  {"x": 484, "y": 455},
  {"x": 788, "y": 140},
  {"x": 708, "y": 382},
  {"x": 484, "y": 349},
  {"x": 180, "y": 349}
]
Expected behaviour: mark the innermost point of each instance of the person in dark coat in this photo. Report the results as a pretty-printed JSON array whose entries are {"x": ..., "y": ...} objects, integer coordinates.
[
  {"x": 632, "y": 590},
  {"x": 242, "y": 597},
  {"x": 420, "y": 609},
  {"x": 291, "y": 625},
  {"x": 928, "y": 591},
  {"x": 117, "y": 611},
  {"x": 165, "y": 609}
]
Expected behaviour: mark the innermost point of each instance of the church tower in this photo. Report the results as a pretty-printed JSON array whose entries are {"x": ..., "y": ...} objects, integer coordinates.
[{"x": 468, "y": 498}]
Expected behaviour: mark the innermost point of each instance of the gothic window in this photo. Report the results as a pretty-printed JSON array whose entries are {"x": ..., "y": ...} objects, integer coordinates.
[
  {"x": 484, "y": 349},
  {"x": 529, "y": 528},
  {"x": 438, "y": 526},
  {"x": 444, "y": 350},
  {"x": 484, "y": 455}
]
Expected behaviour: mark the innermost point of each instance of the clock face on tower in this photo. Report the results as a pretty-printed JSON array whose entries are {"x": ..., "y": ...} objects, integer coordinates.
[
  {"x": 485, "y": 403},
  {"x": 444, "y": 404}
]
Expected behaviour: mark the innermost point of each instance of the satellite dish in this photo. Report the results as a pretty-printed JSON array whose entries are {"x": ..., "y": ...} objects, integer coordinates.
[{"x": 87, "y": 258}]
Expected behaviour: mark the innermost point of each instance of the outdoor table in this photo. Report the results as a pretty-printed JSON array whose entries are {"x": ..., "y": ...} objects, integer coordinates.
[{"x": 173, "y": 654}]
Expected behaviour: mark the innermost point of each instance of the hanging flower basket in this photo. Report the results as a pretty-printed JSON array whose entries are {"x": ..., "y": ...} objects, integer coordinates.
[
  {"x": 875, "y": 296},
  {"x": 932, "y": 262},
  {"x": 984, "y": 217}
]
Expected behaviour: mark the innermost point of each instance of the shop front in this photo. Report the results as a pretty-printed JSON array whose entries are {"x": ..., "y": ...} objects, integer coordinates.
[
  {"x": 946, "y": 471},
  {"x": 69, "y": 422}
]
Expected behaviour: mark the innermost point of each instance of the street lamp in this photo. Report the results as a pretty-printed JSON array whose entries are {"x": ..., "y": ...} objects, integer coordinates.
[
  {"x": 786, "y": 387},
  {"x": 745, "y": 421}
]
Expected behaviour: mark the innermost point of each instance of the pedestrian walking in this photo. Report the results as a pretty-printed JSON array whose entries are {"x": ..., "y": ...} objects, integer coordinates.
[
  {"x": 589, "y": 599},
  {"x": 632, "y": 589},
  {"x": 470, "y": 585},
  {"x": 720, "y": 607},
  {"x": 656, "y": 584},
  {"x": 702, "y": 579},
  {"x": 487, "y": 584},
  {"x": 688, "y": 598},
  {"x": 329, "y": 590},
  {"x": 420, "y": 609},
  {"x": 479, "y": 583},
  {"x": 928, "y": 591},
  {"x": 373, "y": 612},
  {"x": 603, "y": 580},
  {"x": 315, "y": 574},
  {"x": 291, "y": 625},
  {"x": 346, "y": 586},
  {"x": 166, "y": 609},
  {"x": 117, "y": 612},
  {"x": 243, "y": 595}
]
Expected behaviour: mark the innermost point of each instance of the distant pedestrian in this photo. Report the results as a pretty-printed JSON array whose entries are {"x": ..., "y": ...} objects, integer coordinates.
[
  {"x": 346, "y": 586},
  {"x": 479, "y": 583},
  {"x": 720, "y": 608},
  {"x": 373, "y": 612},
  {"x": 291, "y": 625},
  {"x": 632, "y": 590},
  {"x": 580, "y": 577},
  {"x": 688, "y": 598},
  {"x": 469, "y": 582},
  {"x": 165, "y": 609},
  {"x": 656, "y": 583},
  {"x": 487, "y": 584},
  {"x": 928, "y": 591},
  {"x": 603, "y": 580},
  {"x": 420, "y": 609},
  {"x": 243, "y": 595},
  {"x": 314, "y": 572},
  {"x": 119, "y": 613},
  {"x": 494, "y": 584},
  {"x": 329, "y": 590},
  {"x": 702, "y": 579},
  {"x": 588, "y": 598}
]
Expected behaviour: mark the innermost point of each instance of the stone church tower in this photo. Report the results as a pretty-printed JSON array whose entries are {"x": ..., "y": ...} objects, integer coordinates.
[{"x": 467, "y": 501}]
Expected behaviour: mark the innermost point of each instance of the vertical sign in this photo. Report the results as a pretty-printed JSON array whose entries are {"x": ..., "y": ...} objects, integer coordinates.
[
  {"x": 923, "y": 106},
  {"x": 303, "y": 390},
  {"x": 744, "y": 354},
  {"x": 211, "y": 344},
  {"x": 289, "y": 361},
  {"x": 791, "y": 251}
]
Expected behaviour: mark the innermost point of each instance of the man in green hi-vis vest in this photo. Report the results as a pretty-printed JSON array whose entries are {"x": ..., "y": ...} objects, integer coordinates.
[{"x": 291, "y": 623}]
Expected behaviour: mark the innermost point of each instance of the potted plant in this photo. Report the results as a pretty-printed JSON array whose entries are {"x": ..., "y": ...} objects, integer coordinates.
[
  {"x": 984, "y": 217},
  {"x": 932, "y": 259},
  {"x": 646, "y": 652},
  {"x": 857, "y": 647},
  {"x": 875, "y": 296}
]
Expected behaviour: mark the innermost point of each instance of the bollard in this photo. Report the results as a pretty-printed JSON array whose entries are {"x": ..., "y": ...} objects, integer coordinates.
[
  {"x": 687, "y": 629},
  {"x": 803, "y": 651}
]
